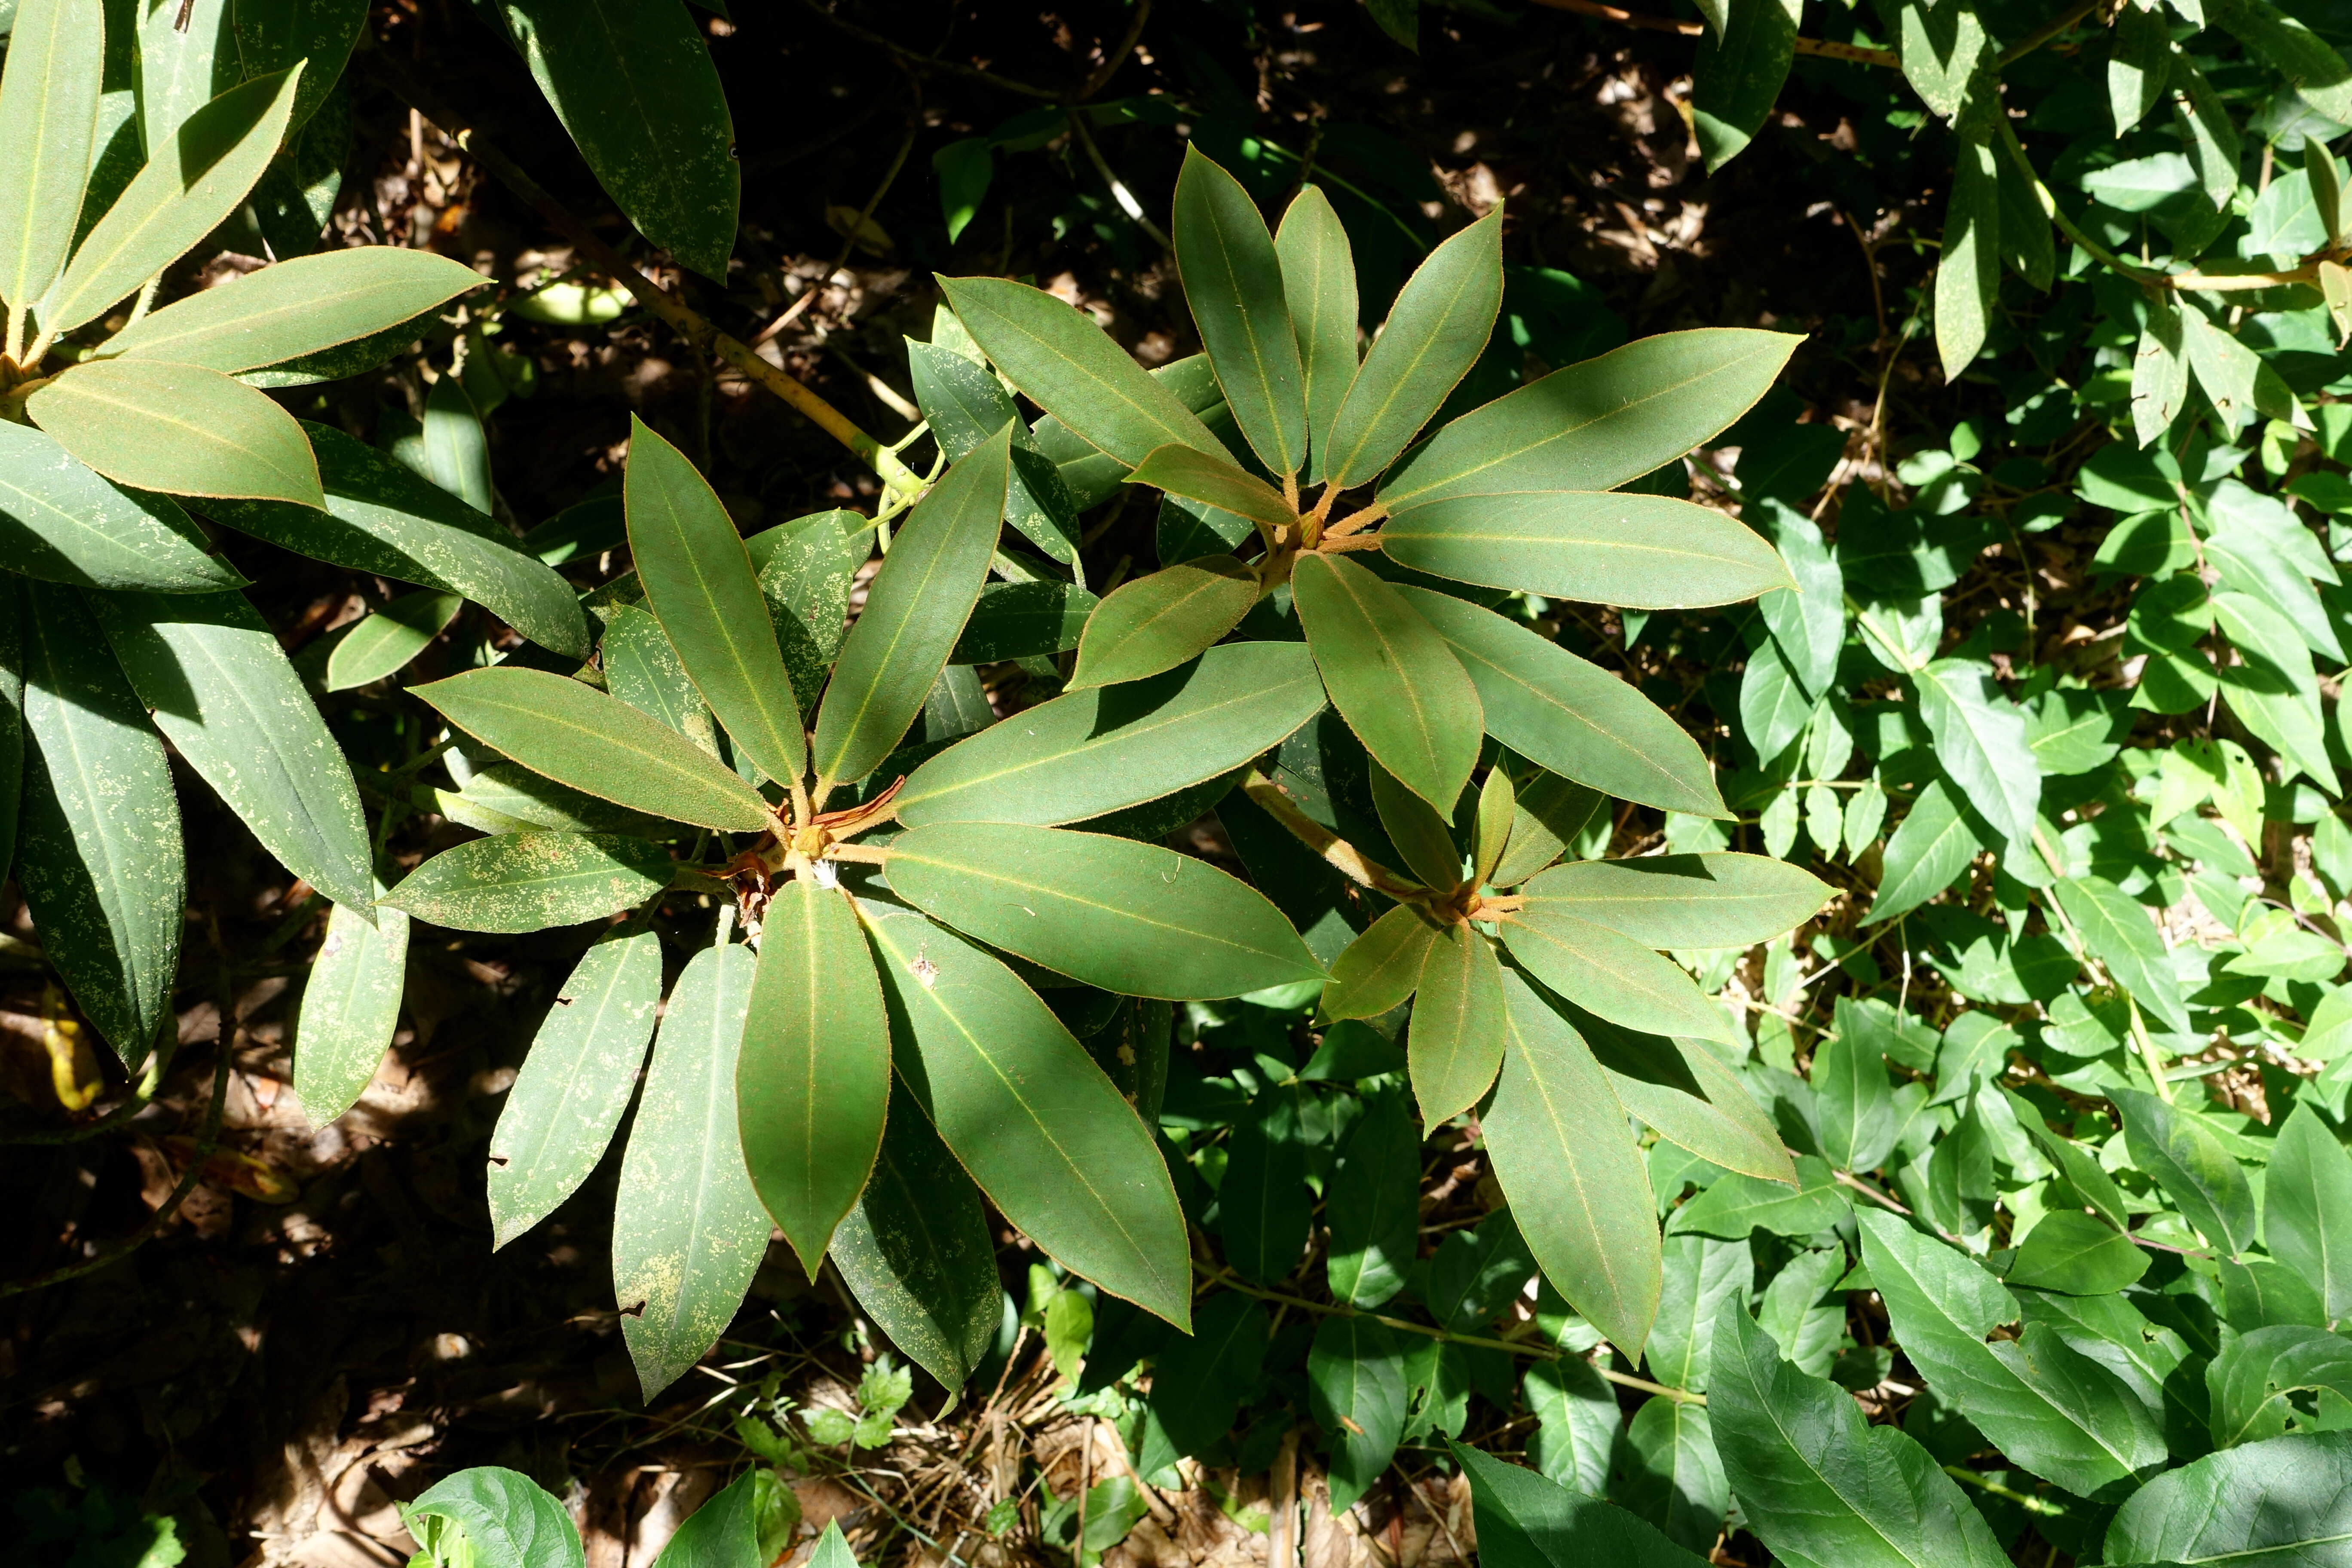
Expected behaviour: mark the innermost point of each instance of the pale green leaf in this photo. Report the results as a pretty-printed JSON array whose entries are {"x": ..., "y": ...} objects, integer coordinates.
[{"x": 179, "y": 429}]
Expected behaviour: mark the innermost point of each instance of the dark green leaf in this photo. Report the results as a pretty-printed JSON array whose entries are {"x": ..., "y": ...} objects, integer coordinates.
[
  {"x": 48, "y": 111},
  {"x": 1566, "y": 1158},
  {"x": 1133, "y": 918},
  {"x": 387, "y": 639},
  {"x": 1594, "y": 425},
  {"x": 1855, "y": 1102},
  {"x": 1319, "y": 285},
  {"x": 1685, "y": 901},
  {"x": 1394, "y": 679},
  {"x": 1668, "y": 1471},
  {"x": 1198, "y": 1382},
  {"x": 687, "y": 1229},
  {"x": 1372, "y": 1204},
  {"x": 1740, "y": 74},
  {"x": 636, "y": 89},
  {"x": 1935, "y": 843},
  {"x": 502, "y": 1517},
  {"x": 2284, "y": 1503},
  {"x": 1162, "y": 620},
  {"x": 1735, "y": 1206},
  {"x": 1419, "y": 832},
  {"x": 1355, "y": 1387},
  {"x": 99, "y": 860},
  {"x": 351, "y": 1005},
  {"x": 61, "y": 522},
  {"x": 917, "y": 1254},
  {"x": 1264, "y": 1207},
  {"x": 1612, "y": 974},
  {"x": 813, "y": 1083},
  {"x": 530, "y": 881},
  {"x": 577, "y": 1080},
  {"x": 178, "y": 429},
  {"x": 916, "y": 607},
  {"x": 1456, "y": 1043},
  {"x": 1106, "y": 748},
  {"x": 1702, "y": 1273},
  {"x": 1569, "y": 716},
  {"x": 1689, "y": 1097},
  {"x": 1818, "y": 1484},
  {"x": 1020, "y": 620},
  {"x": 1381, "y": 968},
  {"x": 1233, "y": 284},
  {"x": 699, "y": 584},
  {"x": 1527, "y": 1521},
  {"x": 1038, "y": 1125},
  {"x": 1435, "y": 332},
  {"x": 2070, "y": 1252},
  {"x": 2307, "y": 1207},
  {"x": 1643, "y": 552},
  {"x": 225, "y": 695},
  {"x": 2050, "y": 1409},
  {"x": 2193, "y": 1165},
  {"x": 577, "y": 735},
  {"x": 1063, "y": 361}
]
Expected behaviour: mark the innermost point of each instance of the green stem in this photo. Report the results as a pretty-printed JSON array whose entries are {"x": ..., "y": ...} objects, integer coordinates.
[
  {"x": 2050, "y": 208},
  {"x": 2025, "y": 1500}
]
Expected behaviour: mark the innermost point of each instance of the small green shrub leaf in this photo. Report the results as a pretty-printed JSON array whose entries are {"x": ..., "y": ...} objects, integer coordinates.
[
  {"x": 1158, "y": 622},
  {"x": 1457, "y": 1041},
  {"x": 351, "y": 1005},
  {"x": 530, "y": 881}
]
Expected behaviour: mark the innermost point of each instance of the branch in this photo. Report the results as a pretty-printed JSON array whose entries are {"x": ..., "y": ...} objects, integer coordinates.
[
  {"x": 394, "y": 78},
  {"x": 927, "y": 62},
  {"x": 1350, "y": 861}
]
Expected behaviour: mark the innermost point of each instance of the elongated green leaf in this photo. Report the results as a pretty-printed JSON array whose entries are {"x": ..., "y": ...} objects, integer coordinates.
[
  {"x": 1685, "y": 901},
  {"x": 530, "y": 881},
  {"x": 502, "y": 1517},
  {"x": 350, "y": 1004},
  {"x": 1497, "y": 809},
  {"x": 2193, "y": 1165},
  {"x": 1372, "y": 1204},
  {"x": 2307, "y": 1207},
  {"x": 1158, "y": 622},
  {"x": 813, "y": 1085},
  {"x": 99, "y": 859},
  {"x": 1131, "y": 917},
  {"x": 1527, "y": 1522},
  {"x": 48, "y": 114},
  {"x": 506, "y": 797},
  {"x": 273, "y": 34},
  {"x": 225, "y": 696},
  {"x": 181, "y": 63},
  {"x": 194, "y": 179},
  {"x": 1701, "y": 1274},
  {"x": 1217, "y": 481},
  {"x": 1980, "y": 741},
  {"x": 2290, "y": 47},
  {"x": 387, "y": 641},
  {"x": 1933, "y": 845},
  {"x": 1038, "y": 1125},
  {"x": 1381, "y": 968},
  {"x": 1356, "y": 1388},
  {"x": 643, "y": 670},
  {"x": 1265, "y": 1210},
  {"x": 1668, "y": 1471},
  {"x": 1569, "y": 716},
  {"x": 296, "y": 308},
  {"x": 2121, "y": 935},
  {"x": 1457, "y": 1041},
  {"x": 1106, "y": 747},
  {"x": 687, "y": 1229},
  {"x": 1968, "y": 272},
  {"x": 581, "y": 1071},
  {"x": 12, "y": 725},
  {"x": 455, "y": 449},
  {"x": 1594, "y": 425},
  {"x": 1319, "y": 285},
  {"x": 1066, "y": 363},
  {"x": 577, "y": 735},
  {"x": 2080, "y": 1167},
  {"x": 2070, "y": 1252},
  {"x": 1017, "y": 620},
  {"x": 63, "y": 524},
  {"x": 382, "y": 519},
  {"x": 916, "y": 1252},
  {"x": 916, "y": 607},
  {"x": 698, "y": 583},
  {"x": 1234, "y": 283},
  {"x": 179, "y": 429},
  {"x": 1687, "y": 1097},
  {"x": 1818, "y": 1484},
  {"x": 2279, "y": 1504},
  {"x": 1734, "y": 1206},
  {"x": 1739, "y": 76},
  {"x": 1606, "y": 972},
  {"x": 635, "y": 87},
  {"x": 1643, "y": 552},
  {"x": 1394, "y": 679},
  {"x": 1422, "y": 837},
  {"x": 1851, "y": 1091},
  {"x": 1435, "y": 332},
  {"x": 2050, "y": 1408},
  {"x": 1567, "y": 1160}
]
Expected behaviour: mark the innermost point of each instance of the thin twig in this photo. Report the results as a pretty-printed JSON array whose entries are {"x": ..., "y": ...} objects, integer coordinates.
[
  {"x": 927, "y": 62},
  {"x": 865, "y": 216}
]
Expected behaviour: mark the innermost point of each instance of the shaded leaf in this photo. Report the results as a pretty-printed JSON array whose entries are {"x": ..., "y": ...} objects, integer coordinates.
[
  {"x": 63, "y": 524},
  {"x": 1394, "y": 679},
  {"x": 351, "y": 1005},
  {"x": 1233, "y": 284}
]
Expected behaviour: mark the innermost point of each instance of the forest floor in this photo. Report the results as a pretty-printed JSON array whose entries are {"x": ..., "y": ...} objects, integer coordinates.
[{"x": 323, "y": 1328}]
